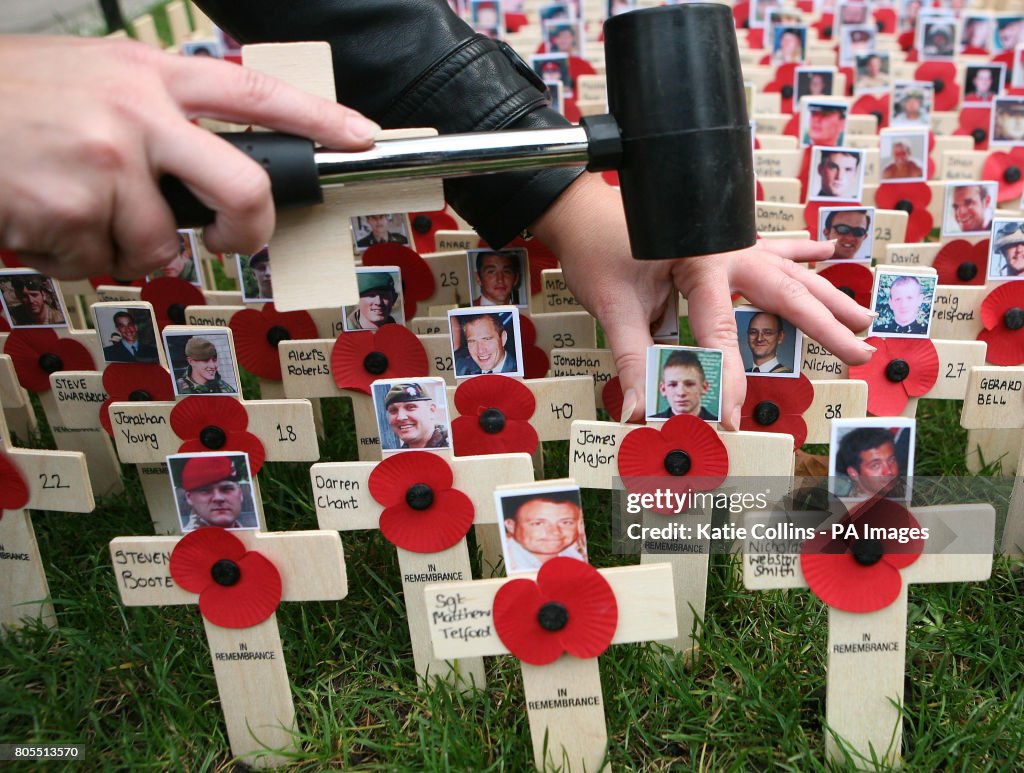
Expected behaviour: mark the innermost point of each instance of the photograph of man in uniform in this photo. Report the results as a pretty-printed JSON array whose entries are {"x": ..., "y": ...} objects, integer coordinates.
[
  {"x": 184, "y": 265},
  {"x": 380, "y": 229},
  {"x": 824, "y": 123},
  {"x": 31, "y": 300},
  {"x": 213, "y": 490},
  {"x": 912, "y": 103},
  {"x": 498, "y": 277},
  {"x": 1008, "y": 121},
  {"x": 904, "y": 304},
  {"x": 982, "y": 82},
  {"x": 540, "y": 525},
  {"x": 681, "y": 376},
  {"x": 411, "y": 414},
  {"x": 485, "y": 343},
  {"x": 870, "y": 460},
  {"x": 257, "y": 283},
  {"x": 872, "y": 73},
  {"x": 969, "y": 208},
  {"x": 838, "y": 174},
  {"x": 813, "y": 82},
  {"x": 200, "y": 374},
  {"x": 768, "y": 343},
  {"x": 851, "y": 229},
  {"x": 129, "y": 346},
  {"x": 378, "y": 299},
  {"x": 1006, "y": 258}
]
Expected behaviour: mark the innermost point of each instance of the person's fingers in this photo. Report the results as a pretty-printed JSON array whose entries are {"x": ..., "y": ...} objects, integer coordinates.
[
  {"x": 142, "y": 229},
  {"x": 225, "y": 180},
  {"x": 627, "y": 331},
  {"x": 841, "y": 305},
  {"x": 800, "y": 250},
  {"x": 225, "y": 91},
  {"x": 709, "y": 304}
]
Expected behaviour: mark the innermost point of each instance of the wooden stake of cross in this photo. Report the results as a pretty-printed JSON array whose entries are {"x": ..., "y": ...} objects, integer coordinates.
[
  {"x": 59, "y": 481},
  {"x": 574, "y": 738},
  {"x": 593, "y": 463},
  {"x": 866, "y": 652},
  {"x": 343, "y": 502},
  {"x": 248, "y": 663}
]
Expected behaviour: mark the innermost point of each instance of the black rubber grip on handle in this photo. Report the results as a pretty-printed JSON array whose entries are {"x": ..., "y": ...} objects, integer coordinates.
[{"x": 288, "y": 160}]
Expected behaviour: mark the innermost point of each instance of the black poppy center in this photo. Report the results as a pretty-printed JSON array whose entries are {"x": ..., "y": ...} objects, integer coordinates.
[
  {"x": 867, "y": 552},
  {"x": 787, "y": 91},
  {"x": 419, "y": 496},
  {"x": 1014, "y": 318},
  {"x": 226, "y": 572},
  {"x": 51, "y": 363},
  {"x": 375, "y": 363},
  {"x": 553, "y": 616},
  {"x": 421, "y": 224},
  {"x": 277, "y": 334},
  {"x": 1012, "y": 174},
  {"x": 827, "y": 31},
  {"x": 677, "y": 462},
  {"x": 966, "y": 271},
  {"x": 213, "y": 437},
  {"x": 897, "y": 370},
  {"x": 492, "y": 421},
  {"x": 939, "y": 85},
  {"x": 905, "y": 205},
  {"x": 766, "y": 413},
  {"x": 848, "y": 290},
  {"x": 176, "y": 313},
  {"x": 978, "y": 135},
  {"x": 140, "y": 396}
]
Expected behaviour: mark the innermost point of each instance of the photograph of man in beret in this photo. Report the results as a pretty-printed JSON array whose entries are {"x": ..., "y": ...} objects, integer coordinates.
[{"x": 211, "y": 490}]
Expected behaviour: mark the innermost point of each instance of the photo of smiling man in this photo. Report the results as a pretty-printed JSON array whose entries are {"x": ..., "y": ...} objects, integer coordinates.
[
  {"x": 540, "y": 523},
  {"x": 500, "y": 277},
  {"x": 850, "y": 227},
  {"x": 484, "y": 343},
  {"x": 202, "y": 364},
  {"x": 380, "y": 299},
  {"x": 411, "y": 415}
]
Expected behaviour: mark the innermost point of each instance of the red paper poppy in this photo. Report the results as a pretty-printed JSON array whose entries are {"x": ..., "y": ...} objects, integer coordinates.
[
  {"x": 106, "y": 279},
  {"x": 38, "y": 352},
  {"x": 13, "y": 490},
  {"x": 422, "y": 512},
  {"x": 740, "y": 15},
  {"x": 869, "y": 104},
  {"x": 417, "y": 279},
  {"x": 237, "y": 588},
  {"x": 901, "y": 368},
  {"x": 684, "y": 454},
  {"x": 792, "y": 127},
  {"x": 9, "y": 259},
  {"x": 854, "y": 279},
  {"x": 494, "y": 417},
  {"x": 5, "y": 326},
  {"x": 535, "y": 359},
  {"x": 361, "y": 356},
  {"x": 611, "y": 177},
  {"x": 1007, "y": 169},
  {"x": 859, "y": 570},
  {"x": 813, "y": 208},
  {"x": 961, "y": 263},
  {"x": 782, "y": 84},
  {"x": 216, "y": 423},
  {"x": 975, "y": 122},
  {"x": 906, "y": 41},
  {"x": 777, "y": 405},
  {"x": 258, "y": 333},
  {"x": 885, "y": 20},
  {"x": 426, "y": 224},
  {"x": 824, "y": 26},
  {"x": 942, "y": 75},
  {"x": 1002, "y": 314},
  {"x": 611, "y": 400},
  {"x": 124, "y": 382},
  {"x": 169, "y": 296},
  {"x": 570, "y": 608},
  {"x": 539, "y": 256},
  {"x": 912, "y": 198}
]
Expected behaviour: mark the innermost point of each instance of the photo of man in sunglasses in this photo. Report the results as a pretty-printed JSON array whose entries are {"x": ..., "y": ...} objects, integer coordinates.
[{"x": 851, "y": 228}]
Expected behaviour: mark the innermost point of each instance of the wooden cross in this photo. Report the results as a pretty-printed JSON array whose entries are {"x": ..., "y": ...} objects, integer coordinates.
[
  {"x": 20, "y": 418},
  {"x": 564, "y": 700},
  {"x": 866, "y": 651},
  {"x": 248, "y": 663},
  {"x": 343, "y": 502},
  {"x": 56, "y": 480},
  {"x": 593, "y": 463}
]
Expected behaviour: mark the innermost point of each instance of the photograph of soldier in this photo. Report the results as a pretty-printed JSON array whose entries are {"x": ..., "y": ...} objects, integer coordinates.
[
  {"x": 411, "y": 414},
  {"x": 213, "y": 489},
  {"x": 903, "y": 303},
  {"x": 380, "y": 299},
  {"x": 31, "y": 299},
  {"x": 202, "y": 364}
]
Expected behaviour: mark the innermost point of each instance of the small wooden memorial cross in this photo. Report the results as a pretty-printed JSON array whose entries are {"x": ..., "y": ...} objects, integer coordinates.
[
  {"x": 37, "y": 480},
  {"x": 343, "y": 501},
  {"x": 563, "y": 693},
  {"x": 248, "y": 662},
  {"x": 866, "y": 648}
]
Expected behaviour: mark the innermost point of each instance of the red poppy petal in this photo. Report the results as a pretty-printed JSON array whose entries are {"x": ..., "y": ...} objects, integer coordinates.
[
  {"x": 842, "y": 583},
  {"x": 516, "y": 605},
  {"x": 424, "y": 240},
  {"x": 956, "y": 253},
  {"x": 642, "y": 453},
  {"x": 250, "y": 601},
  {"x": 27, "y": 346},
  {"x": 252, "y": 336},
  {"x": 589, "y": 600},
  {"x": 13, "y": 489},
  {"x": 170, "y": 296},
  {"x": 854, "y": 277},
  {"x": 1005, "y": 297},
  {"x": 193, "y": 414},
  {"x": 785, "y": 424},
  {"x": 240, "y": 442},
  {"x": 196, "y": 553},
  {"x": 418, "y": 281},
  {"x": 437, "y": 528},
  {"x": 513, "y": 398},
  {"x": 1005, "y": 347},
  {"x": 924, "y": 363},
  {"x": 885, "y": 397},
  {"x": 392, "y": 478},
  {"x": 469, "y": 438},
  {"x": 121, "y": 380},
  {"x": 708, "y": 455}
]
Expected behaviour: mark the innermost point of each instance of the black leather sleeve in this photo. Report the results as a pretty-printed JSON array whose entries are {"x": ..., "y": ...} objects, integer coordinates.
[{"x": 408, "y": 63}]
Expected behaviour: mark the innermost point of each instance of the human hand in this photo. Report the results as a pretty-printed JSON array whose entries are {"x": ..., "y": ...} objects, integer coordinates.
[
  {"x": 89, "y": 127},
  {"x": 626, "y": 295}
]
